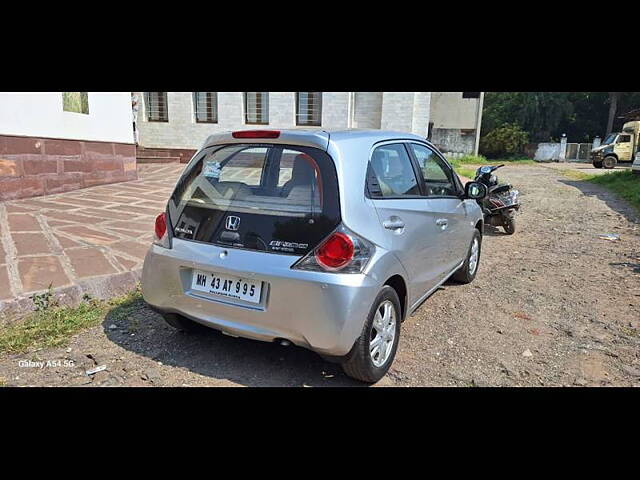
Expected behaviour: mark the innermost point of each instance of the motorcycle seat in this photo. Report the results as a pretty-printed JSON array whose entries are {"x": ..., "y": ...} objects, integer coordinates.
[{"x": 500, "y": 188}]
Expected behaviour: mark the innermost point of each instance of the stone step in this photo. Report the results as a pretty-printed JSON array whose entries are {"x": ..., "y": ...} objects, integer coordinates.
[
  {"x": 154, "y": 159},
  {"x": 153, "y": 152}
]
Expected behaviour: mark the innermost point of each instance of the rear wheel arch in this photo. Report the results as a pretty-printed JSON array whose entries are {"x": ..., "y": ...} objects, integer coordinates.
[
  {"x": 400, "y": 286},
  {"x": 480, "y": 226}
]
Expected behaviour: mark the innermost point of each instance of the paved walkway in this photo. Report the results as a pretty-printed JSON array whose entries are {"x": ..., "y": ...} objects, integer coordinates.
[{"x": 78, "y": 237}]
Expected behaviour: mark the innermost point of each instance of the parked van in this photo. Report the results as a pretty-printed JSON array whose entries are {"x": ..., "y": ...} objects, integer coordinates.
[{"x": 617, "y": 147}]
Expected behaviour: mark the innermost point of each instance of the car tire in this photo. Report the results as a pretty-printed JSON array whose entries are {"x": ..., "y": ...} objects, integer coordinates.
[
  {"x": 360, "y": 364},
  {"x": 609, "y": 162},
  {"x": 597, "y": 164},
  {"x": 467, "y": 272},
  {"x": 183, "y": 324}
]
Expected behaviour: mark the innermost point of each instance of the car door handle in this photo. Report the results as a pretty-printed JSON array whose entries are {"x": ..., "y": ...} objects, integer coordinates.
[
  {"x": 393, "y": 224},
  {"x": 442, "y": 223}
]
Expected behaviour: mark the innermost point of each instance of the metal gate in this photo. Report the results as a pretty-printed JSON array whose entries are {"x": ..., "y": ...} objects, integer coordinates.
[{"x": 578, "y": 152}]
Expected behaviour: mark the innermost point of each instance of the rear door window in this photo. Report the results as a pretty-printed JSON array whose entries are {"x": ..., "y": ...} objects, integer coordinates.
[
  {"x": 272, "y": 198},
  {"x": 437, "y": 176},
  {"x": 391, "y": 174}
]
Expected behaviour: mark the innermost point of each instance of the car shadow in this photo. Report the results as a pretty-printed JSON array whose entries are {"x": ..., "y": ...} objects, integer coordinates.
[
  {"x": 635, "y": 267},
  {"x": 218, "y": 356},
  {"x": 492, "y": 231},
  {"x": 609, "y": 198}
]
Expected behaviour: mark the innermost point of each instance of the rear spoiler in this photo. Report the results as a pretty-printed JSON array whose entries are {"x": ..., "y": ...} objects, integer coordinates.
[{"x": 317, "y": 139}]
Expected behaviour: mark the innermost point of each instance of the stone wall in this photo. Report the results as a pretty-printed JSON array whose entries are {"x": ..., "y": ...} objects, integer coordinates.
[
  {"x": 454, "y": 140},
  {"x": 32, "y": 166}
]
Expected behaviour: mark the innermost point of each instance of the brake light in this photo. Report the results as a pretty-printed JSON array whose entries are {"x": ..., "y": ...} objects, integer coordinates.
[
  {"x": 256, "y": 134},
  {"x": 161, "y": 226},
  {"x": 336, "y": 252},
  {"x": 342, "y": 252}
]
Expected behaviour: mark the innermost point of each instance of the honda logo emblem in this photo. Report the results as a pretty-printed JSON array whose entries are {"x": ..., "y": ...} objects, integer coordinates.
[{"x": 232, "y": 223}]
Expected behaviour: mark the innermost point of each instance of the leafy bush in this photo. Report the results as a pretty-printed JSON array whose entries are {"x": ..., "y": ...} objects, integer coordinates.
[{"x": 507, "y": 140}]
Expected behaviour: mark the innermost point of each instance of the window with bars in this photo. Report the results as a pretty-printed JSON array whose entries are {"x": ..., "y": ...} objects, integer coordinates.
[
  {"x": 256, "y": 108},
  {"x": 309, "y": 108},
  {"x": 206, "y": 107},
  {"x": 156, "y": 106}
]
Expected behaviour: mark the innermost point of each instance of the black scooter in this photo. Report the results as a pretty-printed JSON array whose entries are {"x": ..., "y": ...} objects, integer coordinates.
[{"x": 501, "y": 203}]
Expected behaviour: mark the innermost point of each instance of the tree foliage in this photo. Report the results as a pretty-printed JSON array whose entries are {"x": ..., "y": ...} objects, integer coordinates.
[
  {"x": 507, "y": 140},
  {"x": 545, "y": 116}
]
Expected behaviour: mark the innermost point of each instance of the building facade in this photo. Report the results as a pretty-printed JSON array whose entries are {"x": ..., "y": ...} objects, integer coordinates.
[
  {"x": 53, "y": 142},
  {"x": 455, "y": 121},
  {"x": 180, "y": 122}
]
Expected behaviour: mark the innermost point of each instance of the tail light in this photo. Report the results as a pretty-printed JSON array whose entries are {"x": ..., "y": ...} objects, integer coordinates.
[
  {"x": 341, "y": 252},
  {"x": 256, "y": 134},
  {"x": 335, "y": 252},
  {"x": 161, "y": 237}
]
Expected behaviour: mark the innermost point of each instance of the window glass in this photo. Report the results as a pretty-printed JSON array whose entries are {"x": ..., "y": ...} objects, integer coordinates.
[
  {"x": 256, "y": 107},
  {"x": 624, "y": 138},
  {"x": 206, "y": 106},
  {"x": 285, "y": 199},
  {"x": 309, "y": 108},
  {"x": 157, "y": 106},
  {"x": 436, "y": 174},
  {"x": 77, "y": 102},
  {"x": 393, "y": 171},
  {"x": 245, "y": 167}
]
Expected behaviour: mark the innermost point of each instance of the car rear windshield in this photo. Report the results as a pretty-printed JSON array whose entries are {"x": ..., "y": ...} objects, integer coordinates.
[{"x": 275, "y": 198}]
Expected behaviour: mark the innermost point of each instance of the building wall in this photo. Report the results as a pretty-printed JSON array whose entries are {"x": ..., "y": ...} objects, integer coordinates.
[
  {"x": 397, "y": 111},
  {"x": 182, "y": 131},
  {"x": 406, "y": 112},
  {"x": 45, "y": 150},
  {"x": 403, "y": 111},
  {"x": 41, "y": 115},
  {"x": 368, "y": 110},
  {"x": 455, "y": 122}
]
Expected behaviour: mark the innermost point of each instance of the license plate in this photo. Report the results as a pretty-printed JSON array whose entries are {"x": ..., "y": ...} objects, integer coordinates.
[{"x": 226, "y": 285}]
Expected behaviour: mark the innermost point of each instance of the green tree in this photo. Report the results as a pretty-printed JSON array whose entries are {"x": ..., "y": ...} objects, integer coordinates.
[
  {"x": 547, "y": 115},
  {"x": 507, "y": 140}
]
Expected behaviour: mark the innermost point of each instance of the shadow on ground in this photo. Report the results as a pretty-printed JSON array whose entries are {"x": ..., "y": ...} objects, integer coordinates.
[
  {"x": 218, "y": 356},
  {"x": 611, "y": 199},
  {"x": 492, "y": 231}
]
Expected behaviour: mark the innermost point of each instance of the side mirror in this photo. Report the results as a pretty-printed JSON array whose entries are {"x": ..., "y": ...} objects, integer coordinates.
[{"x": 475, "y": 190}]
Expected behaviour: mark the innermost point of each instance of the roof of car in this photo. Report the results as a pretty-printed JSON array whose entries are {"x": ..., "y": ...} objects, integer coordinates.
[{"x": 314, "y": 137}]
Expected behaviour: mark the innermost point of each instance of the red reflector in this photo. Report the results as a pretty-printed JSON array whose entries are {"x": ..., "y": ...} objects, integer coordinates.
[
  {"x": 256, "y": 134},
  {"x": 161, "y": 225},
  {"x": 336, "y": 252}
]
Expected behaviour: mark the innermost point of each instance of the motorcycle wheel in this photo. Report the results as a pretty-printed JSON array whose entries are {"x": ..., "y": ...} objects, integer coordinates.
[{"x": 509, "y": 225}]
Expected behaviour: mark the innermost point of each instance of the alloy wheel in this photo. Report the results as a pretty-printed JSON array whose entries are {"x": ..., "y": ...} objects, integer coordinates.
[{"x": 383, "y": 333}]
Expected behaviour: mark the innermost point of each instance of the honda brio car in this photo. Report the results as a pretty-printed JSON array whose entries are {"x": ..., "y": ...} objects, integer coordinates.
[{"x": 327, "y": 240}]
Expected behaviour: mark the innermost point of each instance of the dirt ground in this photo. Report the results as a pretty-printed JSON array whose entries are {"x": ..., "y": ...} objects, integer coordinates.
[{"x": 552, "y": 305}]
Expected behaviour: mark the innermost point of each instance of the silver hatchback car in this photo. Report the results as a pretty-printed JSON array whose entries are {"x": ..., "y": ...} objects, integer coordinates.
[{"x": 323, "y": 239}]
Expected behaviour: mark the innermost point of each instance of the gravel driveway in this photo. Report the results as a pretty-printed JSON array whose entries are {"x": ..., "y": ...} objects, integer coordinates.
[{"x": 553, "y": 304}]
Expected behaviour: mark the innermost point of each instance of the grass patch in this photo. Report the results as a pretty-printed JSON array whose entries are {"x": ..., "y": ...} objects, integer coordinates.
[
  {"x": 53, "y": 327},
  {"x": 481, "y": 160},
  {"x": 625, "y": 183},
  {"x": 460, "y": 164}
]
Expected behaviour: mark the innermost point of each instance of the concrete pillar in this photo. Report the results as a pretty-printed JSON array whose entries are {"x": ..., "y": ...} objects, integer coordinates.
[
  {"x": 478, "y": 123},
  {"x": 596, "y": 142},
  {"x": 563, "y": 148}
]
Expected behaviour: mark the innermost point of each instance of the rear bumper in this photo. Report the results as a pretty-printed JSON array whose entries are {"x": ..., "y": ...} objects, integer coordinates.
[{"x": 321, "y": 311}]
